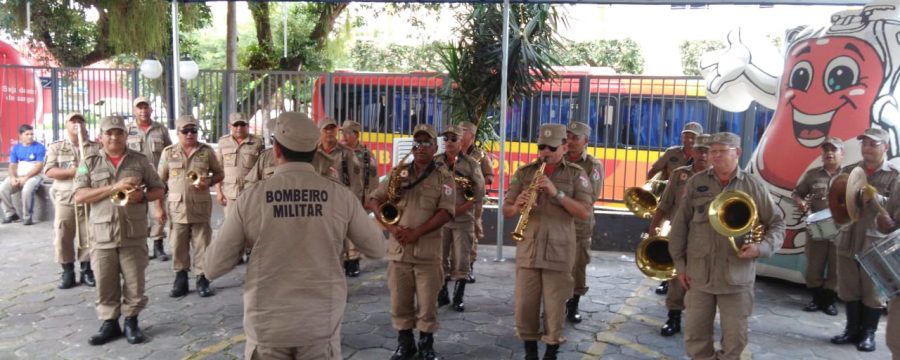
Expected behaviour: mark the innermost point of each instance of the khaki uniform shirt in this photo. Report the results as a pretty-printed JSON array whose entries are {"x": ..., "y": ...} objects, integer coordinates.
[
  {"x": 674, "y": 192},
  {"x": 186, "y": 205},
  {"x": 550, "y": 236},
  {"x": 340, "y": 165},
  {"x": 117, "y": 226},
  {"x": 814, "y": 183},
  {"x": 295, "y": 291},
  {"x": 469, "y": 169},
  {"x": 237, "y": 160},
  {"x": 369, "y": 167},
  {"x": 594, "y": 170},
  {"x": 151, "y": 143},
  {"x": 435, "y": 191},
  {"x": 673, "y": 158},
  {"x": 861, "y": 234},
  {"x": 706, "y": 256},
  {"x": 65, "y": 155},
  {"x": 264, "y": 167},
  {"x": 482, "y": 157}
]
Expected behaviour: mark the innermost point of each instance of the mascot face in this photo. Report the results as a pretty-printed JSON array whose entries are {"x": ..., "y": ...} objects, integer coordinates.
[{"x": 828, "y": 88}]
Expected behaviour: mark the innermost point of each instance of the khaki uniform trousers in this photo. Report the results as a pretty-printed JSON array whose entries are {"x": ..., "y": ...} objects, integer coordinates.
[
  {"x": 854, "y": 283},
  {"x": 327, "y": 351},
  {"x": 532, "y": 287},
  {"x": 892, "y": 336},
  {"x": 479, "y": 231},
  {"x": 579, "y": 269},
  {"x": 457, "y": 242},
  {"x": 189, "y": 242},
  {"x": 67, "y": 244},
  {"x": 821, "y": 264},
  {"x": 120, "y": 280},
  {"x": 157, "y": 230},
  {"x": 675, "y": 296},
  {"x": 734, "y": 310},
  {"x": 414, "y": 289}
]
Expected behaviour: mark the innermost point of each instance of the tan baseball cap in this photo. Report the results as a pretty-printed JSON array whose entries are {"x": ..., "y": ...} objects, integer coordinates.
[
  {"x": 453, "y": 129},
  {"x": 185, "y": 120},
  {"x": 425, "y": 128},
  {"x": 325, "y": 122},
  {"x": 112, "y": 122},
  {"x": 296, "y": 131},
  {"x": 692, "y": 127},
  {"x": 139, "y": 100},
  {"x": 350, "y": 125},
  {"x": 702, "y": 141},
  {"x": 468, "y": 126},
  {"x": 875, "y": 134},
  {"x": 552, "y": 134},
  {"x": 726, "y": 138},
  {"x": 236, "y": 117},
  {"x": 579, "y": 128},
  {"x": 74, "y": 115},
  {"x": 833, "y": 141}
]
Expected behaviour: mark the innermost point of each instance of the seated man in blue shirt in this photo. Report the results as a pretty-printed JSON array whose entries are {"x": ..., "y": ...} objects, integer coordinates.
[{"x": 26, "y": 160}]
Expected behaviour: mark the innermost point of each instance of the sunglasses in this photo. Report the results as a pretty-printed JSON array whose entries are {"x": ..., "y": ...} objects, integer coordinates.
[
  {"x": 189, "y": 131},
  {"x": 423, "y": 144},
  {"x": 239, "y": 124},
  {"x": 541, "y": 147},
  {"x": 451, "y": 138}
]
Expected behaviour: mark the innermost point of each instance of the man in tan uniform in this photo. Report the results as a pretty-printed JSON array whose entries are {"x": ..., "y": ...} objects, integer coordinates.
[
  {"x": 118, "y": 233},
  {"x": 149, "y": 137},
  {"x": 887, "y": 223},
  {"x": 263, "y": 169},
  {"x": 295, "y": 293},
  {"x": 483, "y": 158},
  {"x": 189, "y": 203},
  {"x": 669, "y": 202},
  {"x": 70, "y": 239},
  {"x": 458, "y": 235},
  {"x": 544, "y": 259},
  {"x": 675, "y": 157},
  {"x": 577, "y": 137},
  {"x": 425, "y": 195},
  {"x": 350, "y": 131},
  {"x": 237, "y": 153},
  {"x": 811, "y": 194},
  {"x": 708, "y": 268},
  {"x": 855, "y": 287}
]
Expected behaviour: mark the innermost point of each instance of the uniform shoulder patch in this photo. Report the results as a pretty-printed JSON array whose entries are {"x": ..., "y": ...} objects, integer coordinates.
[
  {"x": 595, "y": 174},
  {"x": 448, "y": 190},
  {"x": 584, "y": 181}
]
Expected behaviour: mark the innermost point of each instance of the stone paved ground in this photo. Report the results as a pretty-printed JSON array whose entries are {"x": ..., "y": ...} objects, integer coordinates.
[{"x": 38, "y": 321}]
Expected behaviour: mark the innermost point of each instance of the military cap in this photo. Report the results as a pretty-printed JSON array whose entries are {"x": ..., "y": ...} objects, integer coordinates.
[
  {"x": 350, "y": 125},
  {"x": 702, "y": 141},
  {"x": 425, "y": 128},
  {"x": 453, "y": 129},
  {"x": 725, "y": 138},
  {"x": 552, "y": 134},
  {"x": 74, "y": 115},
  {"x": 296, "y": 131},
  {"x": 185, "y": 120},
  {"x": 112, "y": 122},
  {"x": 468, "y": 126},
  {"x": 692, "y": 127},
  {"x": 235, "y": 117},
  {"x": 140, "y": 100},
  {"x": 579, "y": 128},
  {"x": 325, "y": 122},
  {"x": 833, "y": 141},
  {"x": 876, "y": 134}
]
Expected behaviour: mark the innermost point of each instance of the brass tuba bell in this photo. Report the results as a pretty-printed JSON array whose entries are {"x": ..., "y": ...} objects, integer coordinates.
[
  {"x": 194, "y": 177},
  {"x": 734, "y": 213},
  {"x": 642, "y": 201},
  {"x": 652, "y": 255}
]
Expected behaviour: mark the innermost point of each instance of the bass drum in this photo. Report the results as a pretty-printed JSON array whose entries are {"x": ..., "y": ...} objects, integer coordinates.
[{"x": 882, "y": 263}]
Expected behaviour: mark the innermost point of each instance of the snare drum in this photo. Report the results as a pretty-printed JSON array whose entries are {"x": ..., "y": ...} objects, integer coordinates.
[
  {"x": 820, "y": 226},
  {"x": 882, "y": 263}
]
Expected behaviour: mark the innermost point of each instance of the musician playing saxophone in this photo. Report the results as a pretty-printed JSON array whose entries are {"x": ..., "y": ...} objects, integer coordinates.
[
  {"x": 545, "y": 256},
  {"x": 427, "y": 201},
  {"x": 707, "y": 266},
  {"x": 458, "y": 235}
]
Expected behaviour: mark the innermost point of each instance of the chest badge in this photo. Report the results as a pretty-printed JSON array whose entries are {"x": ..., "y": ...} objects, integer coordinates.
[{"x": 683, "y": 176}]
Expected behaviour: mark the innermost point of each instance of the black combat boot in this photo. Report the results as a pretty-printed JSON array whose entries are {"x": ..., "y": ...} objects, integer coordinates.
[
  {"x": 87, "y": 275},
  {"x": 67, "y": 281},
  {"x": 663, "y": 288},
  {"x": 458, "y": 292},
  {"x": 158, "y": 251},
  {"x": 868, "y": 326},
  {"x": 851, "y": 332},
  {"x": 180, "y": 287},
  {"x": 813, "y": 304},
  {"x": 827, "y": 304},
  {"x": 108, "y": 331},
  {"x": 531, "y": 350},
  {"x": 572, "y": 314},
  {"x": 133, "y": 333},
  {"x": 426, "y": 346},
  {"x": 471, "y": 277},
  {"x": 443, "y": 295},
  {"x": 203, "y": 288},
  {"x": 7, "y": 220},
  {"x": 550, "y": 352},
  {"x": 673, "y": 325},
  {"x": 353, "y": 268},
  {"x": 406, "y": 346}
]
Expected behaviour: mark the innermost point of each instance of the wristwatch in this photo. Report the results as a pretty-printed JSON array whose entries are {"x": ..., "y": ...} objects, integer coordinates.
[{"x": 559, "y": 195}]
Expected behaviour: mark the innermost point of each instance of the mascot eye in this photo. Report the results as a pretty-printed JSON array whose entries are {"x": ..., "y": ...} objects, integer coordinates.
[
  {"x": 841, "y": 73},
  {"x": 801, "y": 76}
]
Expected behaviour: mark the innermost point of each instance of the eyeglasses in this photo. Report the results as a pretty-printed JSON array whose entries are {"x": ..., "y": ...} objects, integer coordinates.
[
  {"x": 451, "y": 138},
  {"x": 423, "y": 144},
  {"x": 720, "y": 152},
  {"x": 189, "y": 131},
  {"x": 541, "y": 147},
  {"x": 239, "y": 124},
  {"x": 871, "y": 143}
]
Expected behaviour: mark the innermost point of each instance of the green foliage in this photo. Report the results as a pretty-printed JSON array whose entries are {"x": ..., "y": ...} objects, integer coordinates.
[
  {"x": 691, "y": 52},
  {"x": 369, "y": 56},
  {"x": 622, "y": 55}
]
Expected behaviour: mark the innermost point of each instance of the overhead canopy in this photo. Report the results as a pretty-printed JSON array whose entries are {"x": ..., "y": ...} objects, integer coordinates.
[{"x": 687, "y": 3}]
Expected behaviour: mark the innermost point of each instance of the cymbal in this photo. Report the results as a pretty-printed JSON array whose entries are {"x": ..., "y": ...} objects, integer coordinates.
[
  {"x": 855, "y": 183},
  {"x": 837, "y": 199}
]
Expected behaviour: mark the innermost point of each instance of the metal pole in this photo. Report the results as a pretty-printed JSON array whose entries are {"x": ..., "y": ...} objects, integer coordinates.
[
  {"x": 28, "y": 18},
  {"x": 284, "y": 29},
  {"x": 504, "y": 74},
  {"x": 176, "y": 79}
]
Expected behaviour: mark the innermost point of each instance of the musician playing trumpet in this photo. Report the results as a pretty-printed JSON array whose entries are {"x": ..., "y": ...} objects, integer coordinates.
[
  {"x": 118, "y": 233},
  {"x": 546, "y": 253},
  {"x": 426, "y": 200},
  {"x": 188, "y": 203},
  {"x": 708, "y": 268},
  {"x": 811, "y": 194}
]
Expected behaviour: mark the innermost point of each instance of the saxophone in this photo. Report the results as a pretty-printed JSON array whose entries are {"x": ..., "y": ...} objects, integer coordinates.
[
  {"x": 389, "y": 213},
  {"x": 466, "y": 187},
  {"x": 519, "y": 233}
]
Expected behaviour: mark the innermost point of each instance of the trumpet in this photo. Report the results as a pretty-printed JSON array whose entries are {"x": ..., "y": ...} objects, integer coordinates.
[
  {"x": 389, "y": 213},
  {"x": 120, "y": 197},
  {"x": 518, "y": 233},
  {"x": 734, "y": 213},
  {"x": 194, "y": 177}
]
